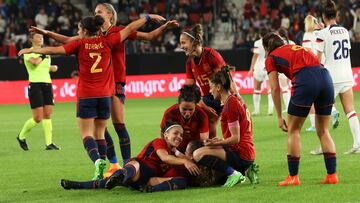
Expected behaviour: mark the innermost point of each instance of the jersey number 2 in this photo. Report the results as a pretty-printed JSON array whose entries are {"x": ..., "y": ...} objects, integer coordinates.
[
  {"x": 94, "y": 68},
  {"x": 341, "y": 45}
]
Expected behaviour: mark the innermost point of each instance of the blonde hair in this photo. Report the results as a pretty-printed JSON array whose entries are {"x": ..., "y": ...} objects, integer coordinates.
[
  {"x": 310, "y": 23},
  {"x": 111, "y": 9}
]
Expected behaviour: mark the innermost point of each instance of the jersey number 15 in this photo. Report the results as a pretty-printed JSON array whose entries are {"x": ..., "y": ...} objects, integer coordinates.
[{"x": 342, "y": 51}]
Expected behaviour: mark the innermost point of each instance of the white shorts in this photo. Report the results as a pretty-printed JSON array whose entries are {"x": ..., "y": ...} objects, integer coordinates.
[
  {"x": 282, "y": 76},
  {"x": 260, "y": 74},
  {"x": 342, "y": 87}
]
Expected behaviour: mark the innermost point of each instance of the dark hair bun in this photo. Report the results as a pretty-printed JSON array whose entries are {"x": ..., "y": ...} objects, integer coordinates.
[{"x": 98, "y": 20}]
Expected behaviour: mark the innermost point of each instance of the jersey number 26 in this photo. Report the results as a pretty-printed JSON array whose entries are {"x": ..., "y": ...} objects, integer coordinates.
[{"x": 342, "y": 51}]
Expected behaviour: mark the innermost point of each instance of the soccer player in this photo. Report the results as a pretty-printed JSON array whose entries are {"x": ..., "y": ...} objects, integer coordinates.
[
  {"x": 189, "y": 115},
  {"x": 40, "y": 94},
  {"x": 284, "y": 81},
  {"x": 311, "y": 84},
  {"x": 154, "y": 169},
  {"x": 257, "y": 68},
  {"x": 96, "y": 81},
  {"x": 334, "y": 44},
  {"x": 309, "y": 41},
  {"x": 108, "y": 29},
  {"x": 201, "y": 64},
  {"x": 234, "y": 154}
]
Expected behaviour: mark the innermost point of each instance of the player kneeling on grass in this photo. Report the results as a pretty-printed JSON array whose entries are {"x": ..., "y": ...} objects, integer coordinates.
[
  {"x": 234, "y": 155},
  {"x": 154, "y": 169}
]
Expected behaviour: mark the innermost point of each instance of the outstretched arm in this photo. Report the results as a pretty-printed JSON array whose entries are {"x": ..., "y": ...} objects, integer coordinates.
[
  {"x": 157, "y": 32},
  {"x": 173, "y": 160},
  {"x": 44, "y": 50},
  {"x": 132, "y": 27},
  {"x": 58, "y": 37}
]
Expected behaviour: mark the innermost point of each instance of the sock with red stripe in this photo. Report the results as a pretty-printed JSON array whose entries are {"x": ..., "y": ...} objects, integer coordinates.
[
  {"x": 354, "y": 127},
  {"x": 293, "y": 165},
  {"x": 91, "y": 148},
  {"x": 124, "y": 141},
  {"x": 110, "y": 150},
  {"x": 330, "y": 162},
  {"x": 102, "y": 148},
  {"x": 172, "y": 184}
]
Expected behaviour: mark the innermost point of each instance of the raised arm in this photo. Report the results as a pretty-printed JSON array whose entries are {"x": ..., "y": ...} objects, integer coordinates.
[
  {"x": 132, "y": 27},
  {"x": 44, "y": 50},
  {"x": 58, "y": 37},
  {"x": 157, "y": 32}
]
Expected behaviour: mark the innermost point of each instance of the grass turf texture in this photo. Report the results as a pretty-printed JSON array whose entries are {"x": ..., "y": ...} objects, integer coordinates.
[{"x": 34, "y": 176}]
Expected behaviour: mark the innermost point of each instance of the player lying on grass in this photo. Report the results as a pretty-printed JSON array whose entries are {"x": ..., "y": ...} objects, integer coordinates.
[
  {"x": 96, "y": 80},
  {"x": 233, "y": 155},
  {"x": 157, "y": 159}
]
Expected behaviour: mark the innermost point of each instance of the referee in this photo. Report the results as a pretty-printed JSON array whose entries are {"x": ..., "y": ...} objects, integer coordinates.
[{"x": 40, "y": 94}]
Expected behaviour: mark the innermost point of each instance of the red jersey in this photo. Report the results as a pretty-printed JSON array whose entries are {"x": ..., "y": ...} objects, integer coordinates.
[
  {"x": 210, "y": 62},
  {"x": 96, "y": 77},
  {"x": 149, "y": 156},
  {"x": 198, "y": 123},
  {"x": 235, "y": 111},
  {"x": 118, "y": 54},
  {"x": 290, "y": 59}
]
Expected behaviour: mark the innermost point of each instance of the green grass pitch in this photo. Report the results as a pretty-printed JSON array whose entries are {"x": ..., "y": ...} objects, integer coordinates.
[{"x": 34, "y": 176}]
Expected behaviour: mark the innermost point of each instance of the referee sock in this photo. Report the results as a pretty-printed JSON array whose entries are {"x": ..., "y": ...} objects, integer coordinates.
[
  {"x": 91, "y": 148},
  {"x": 172, "y": 184},
  {"x": 124, "y": 141},
  {"x": 47, "y": 127},
  {"x": 110, "y": 151},
  {"x": 29, "y": 124}
]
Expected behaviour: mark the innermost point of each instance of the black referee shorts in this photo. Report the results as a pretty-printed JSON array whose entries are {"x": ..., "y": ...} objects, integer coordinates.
[{"x": 40, "y": 94}]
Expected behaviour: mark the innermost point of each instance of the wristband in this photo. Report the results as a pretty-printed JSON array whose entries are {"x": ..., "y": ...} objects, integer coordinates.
[
  {"x": 147, "y": 17},
  {"x": 177, "y": 153}
]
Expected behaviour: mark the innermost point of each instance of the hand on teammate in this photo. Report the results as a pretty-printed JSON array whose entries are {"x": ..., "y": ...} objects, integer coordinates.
[
  {"x": 24, "y": 51},
  {"x": 283, "y": 125},
  {"x": 192, "y": 168},
  {"x": 212, "y": 142},
  {"x": 38, "y": 30}
]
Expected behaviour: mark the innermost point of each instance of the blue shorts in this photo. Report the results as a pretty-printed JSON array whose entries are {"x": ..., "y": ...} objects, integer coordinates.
[
  {"x": 94, "y": 108},
  {"x": 234, "y": 160},
  {"x": 311, "y": 85},
  {"x": 213, "y": 103},
  {"x": 120, "y": 91}
]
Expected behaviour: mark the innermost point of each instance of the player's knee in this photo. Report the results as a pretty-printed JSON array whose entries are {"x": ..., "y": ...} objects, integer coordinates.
[{"x": 38, "y": 118}]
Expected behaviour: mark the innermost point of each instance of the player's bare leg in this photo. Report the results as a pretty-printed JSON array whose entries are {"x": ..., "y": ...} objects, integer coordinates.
[{"x": 328, "y": 146}]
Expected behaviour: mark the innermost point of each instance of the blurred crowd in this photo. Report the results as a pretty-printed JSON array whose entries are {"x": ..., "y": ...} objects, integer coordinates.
[{"x": 237, "y": 20}]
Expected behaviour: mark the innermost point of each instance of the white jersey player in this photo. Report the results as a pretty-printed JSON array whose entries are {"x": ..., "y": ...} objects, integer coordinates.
[
  {"x": 257, "y": 68},
  {"x": 333, "y": 41}
]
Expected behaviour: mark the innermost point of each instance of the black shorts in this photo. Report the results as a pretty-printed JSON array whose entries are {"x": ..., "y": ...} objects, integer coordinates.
[
  {"x": 234, "y": 160},
  {"x": 120, "y": 91},
  {"x": 40, "y": 94}
]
